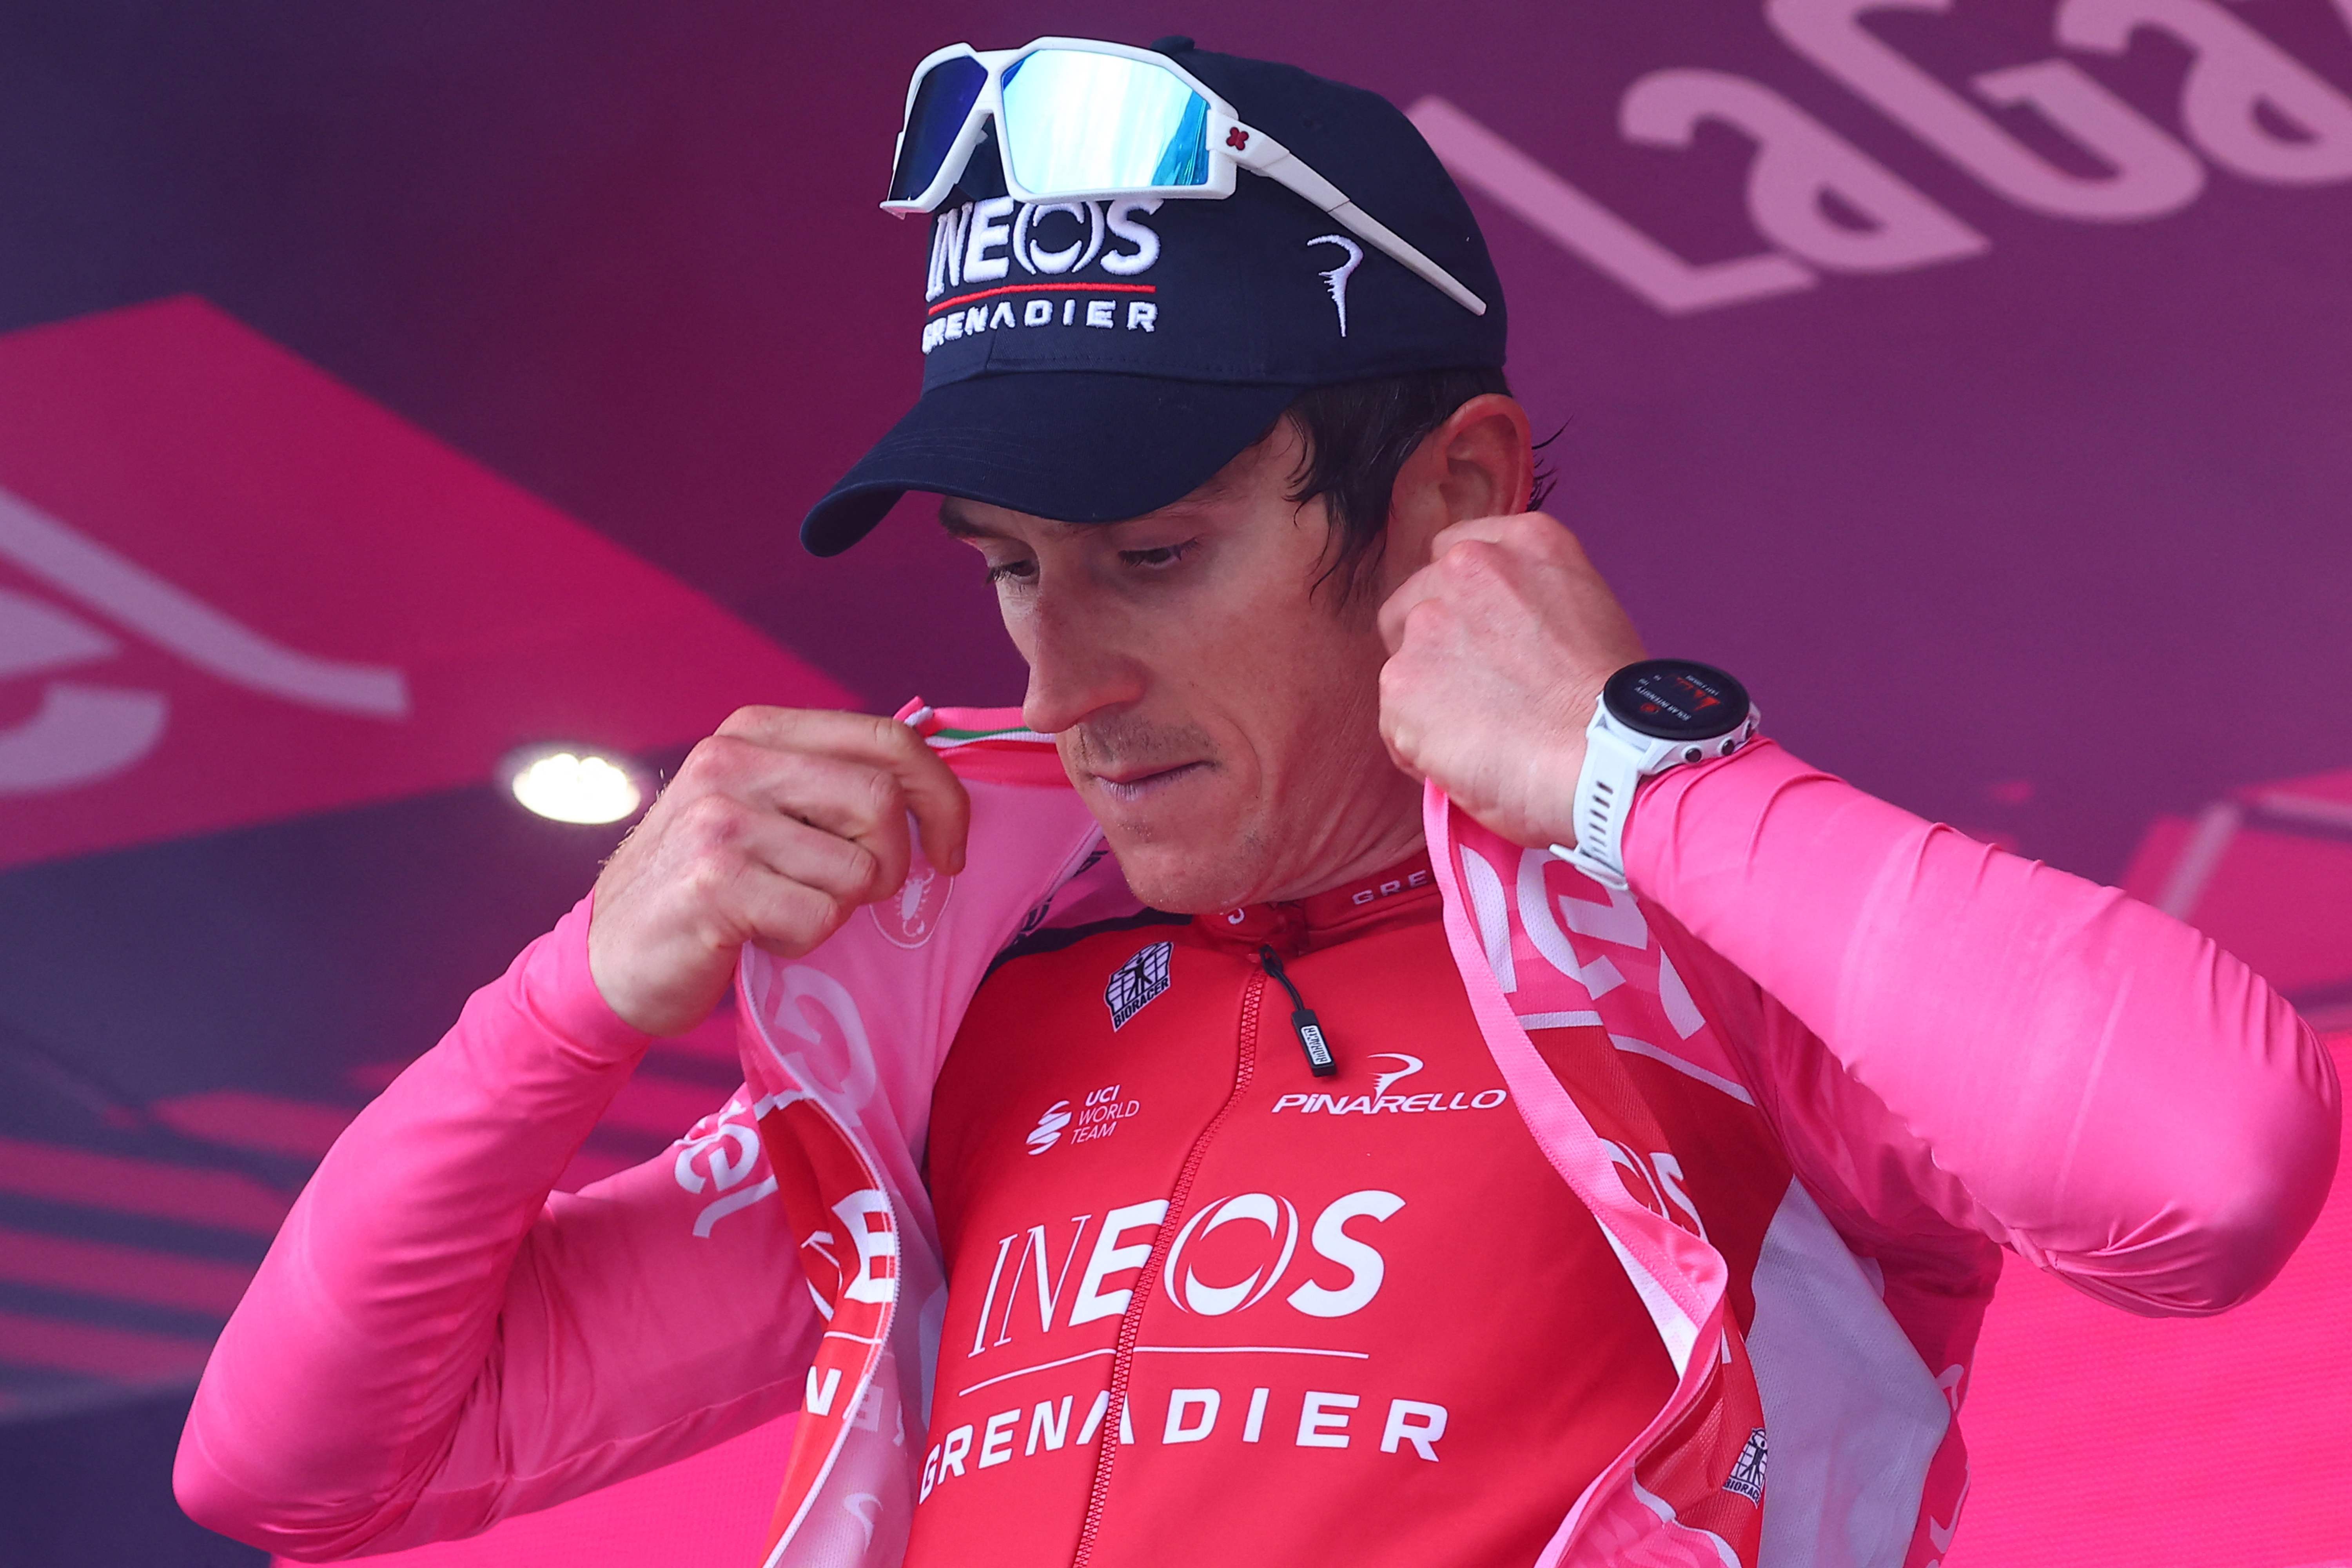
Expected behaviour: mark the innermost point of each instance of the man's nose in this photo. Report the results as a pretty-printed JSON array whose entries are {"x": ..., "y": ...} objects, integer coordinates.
[{"x": 1076, "y": 668}]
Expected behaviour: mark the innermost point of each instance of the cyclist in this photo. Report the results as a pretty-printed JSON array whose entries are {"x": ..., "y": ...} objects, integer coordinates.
[{"x": 1364, "y": 1064}]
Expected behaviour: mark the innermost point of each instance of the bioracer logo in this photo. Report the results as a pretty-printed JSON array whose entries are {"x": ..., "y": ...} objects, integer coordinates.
[
  {"x": 1135, "y": 983},
  {"x": 1747, "y": 1470}
]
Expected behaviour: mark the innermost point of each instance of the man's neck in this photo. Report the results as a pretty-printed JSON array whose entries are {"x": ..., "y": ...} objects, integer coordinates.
[{"x": 1397, "y": 840}]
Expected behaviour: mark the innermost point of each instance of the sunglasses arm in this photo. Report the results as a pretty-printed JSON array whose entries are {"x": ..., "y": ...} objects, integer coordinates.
[{"x": 1255, "y": 151}]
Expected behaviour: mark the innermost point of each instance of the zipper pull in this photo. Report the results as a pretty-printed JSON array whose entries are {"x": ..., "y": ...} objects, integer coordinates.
[{"x": 1302, "y": 1017}]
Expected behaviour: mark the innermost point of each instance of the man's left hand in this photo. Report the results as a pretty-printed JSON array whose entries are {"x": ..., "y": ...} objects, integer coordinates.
[{"x": 1497, "y": 651}]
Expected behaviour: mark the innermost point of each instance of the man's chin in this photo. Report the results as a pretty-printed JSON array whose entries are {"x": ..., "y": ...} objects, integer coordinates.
[
  {"x": 1185, "y": 875},
  {"x": 1182, "y": 836}
]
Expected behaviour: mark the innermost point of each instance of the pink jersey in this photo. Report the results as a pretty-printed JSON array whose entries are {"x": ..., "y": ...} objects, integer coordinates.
[{"x": 1945, "y": 1048}]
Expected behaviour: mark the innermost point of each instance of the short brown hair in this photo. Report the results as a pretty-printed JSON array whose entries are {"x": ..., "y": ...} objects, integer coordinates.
[{"x": 1357, "y": 435}]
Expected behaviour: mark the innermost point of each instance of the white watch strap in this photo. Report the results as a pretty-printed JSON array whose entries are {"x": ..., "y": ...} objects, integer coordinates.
[
  {"x": 1613, "y": 769},
  {"x": 1616, "y": 761}
]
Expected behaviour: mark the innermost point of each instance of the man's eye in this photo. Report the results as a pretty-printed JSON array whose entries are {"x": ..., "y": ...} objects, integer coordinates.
[
  {"x": 1160, "y": 558},
  {"x": 1012, "y": 571}
]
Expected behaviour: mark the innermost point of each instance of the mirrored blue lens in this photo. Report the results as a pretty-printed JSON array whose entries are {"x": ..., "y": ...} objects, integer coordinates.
[
  {"x": 942, "y": 103},
  {"x": 1076, "y": 121}
]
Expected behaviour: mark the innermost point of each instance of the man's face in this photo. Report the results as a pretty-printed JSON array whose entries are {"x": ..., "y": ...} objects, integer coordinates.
[{"x": 1217, "y": 714}]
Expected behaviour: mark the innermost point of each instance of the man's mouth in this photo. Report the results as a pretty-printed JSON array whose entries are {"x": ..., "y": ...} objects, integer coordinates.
[{"x": 1136, "y": 785}]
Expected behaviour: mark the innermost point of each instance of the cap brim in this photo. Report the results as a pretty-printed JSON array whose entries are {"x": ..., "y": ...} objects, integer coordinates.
[{"x": 1076, "y": 445}]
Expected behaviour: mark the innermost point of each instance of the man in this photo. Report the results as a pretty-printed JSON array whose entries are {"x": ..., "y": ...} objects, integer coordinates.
[{"x": 1363, "y": 1067}]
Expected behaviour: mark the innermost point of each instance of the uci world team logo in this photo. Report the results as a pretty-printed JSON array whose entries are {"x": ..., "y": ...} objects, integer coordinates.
[{"x": 1049, "y": 1127}]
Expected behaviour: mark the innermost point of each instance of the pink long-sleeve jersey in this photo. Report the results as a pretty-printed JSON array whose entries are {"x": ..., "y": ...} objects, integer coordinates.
[{"x": 1947, "y": 1047}]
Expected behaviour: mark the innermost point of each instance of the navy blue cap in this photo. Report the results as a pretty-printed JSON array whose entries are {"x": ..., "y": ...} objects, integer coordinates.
[{"x": 1094, "y": 361}]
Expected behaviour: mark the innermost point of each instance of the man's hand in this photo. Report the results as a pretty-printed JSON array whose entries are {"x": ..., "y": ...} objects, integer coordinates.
[
  {"x": 775, "y": 831},
  {"x": 1497, "y": 651}
]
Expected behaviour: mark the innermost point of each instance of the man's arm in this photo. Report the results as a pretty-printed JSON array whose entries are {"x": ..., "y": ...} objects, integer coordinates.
[
  {"x": 2032, "y": 1056},
  {"x": 2054, "y": 1064},
  {"x": 434, "y": 1342}
]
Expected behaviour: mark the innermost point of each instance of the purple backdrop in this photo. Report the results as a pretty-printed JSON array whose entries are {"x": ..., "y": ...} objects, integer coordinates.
[{"x": 2010, "y": 464}]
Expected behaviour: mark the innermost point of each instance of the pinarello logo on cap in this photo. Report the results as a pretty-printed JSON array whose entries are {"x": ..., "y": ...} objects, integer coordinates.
[{"x": 909, "y": 916}]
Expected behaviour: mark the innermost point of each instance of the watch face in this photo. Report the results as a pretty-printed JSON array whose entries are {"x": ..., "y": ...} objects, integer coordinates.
[{"x": 1675, "y": 700}]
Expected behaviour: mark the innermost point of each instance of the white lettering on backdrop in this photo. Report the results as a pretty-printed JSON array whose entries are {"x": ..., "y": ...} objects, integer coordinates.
[{"x": 1823, "y": 205}]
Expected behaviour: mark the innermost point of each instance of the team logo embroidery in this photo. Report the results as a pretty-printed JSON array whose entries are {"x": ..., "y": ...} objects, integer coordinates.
[
  {"x": 1137, "y": 982},
  {"x": 1748, "y": 1474},
  {"x": 981, "y": 249},
  {"x": 1336, "y": 280},
  {"x": 981, "y": 242},
  {"x": 908, "y": 917},
  {"x": 1048, "y": 1131}
]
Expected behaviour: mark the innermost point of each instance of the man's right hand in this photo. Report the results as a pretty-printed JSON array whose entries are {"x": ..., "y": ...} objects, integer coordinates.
[{"x": 775, "y": 830}]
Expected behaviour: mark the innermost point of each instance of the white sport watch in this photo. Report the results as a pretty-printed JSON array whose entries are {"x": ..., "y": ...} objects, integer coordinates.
[{"x": 1658, "y": 714}]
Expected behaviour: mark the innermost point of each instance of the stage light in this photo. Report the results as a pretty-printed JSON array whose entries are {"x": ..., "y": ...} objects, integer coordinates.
[{"x": 573, "y": 784}]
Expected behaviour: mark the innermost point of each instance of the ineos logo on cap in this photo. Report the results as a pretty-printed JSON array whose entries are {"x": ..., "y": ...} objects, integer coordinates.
[
  {"x": 973, "y": 245},
  {"x": 1094, "y": 357},
  {"x": 978, "y": 246}
]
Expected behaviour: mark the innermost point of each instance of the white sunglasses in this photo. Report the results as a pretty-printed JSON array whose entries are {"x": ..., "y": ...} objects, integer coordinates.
[{"x": 1079, "y": 120}]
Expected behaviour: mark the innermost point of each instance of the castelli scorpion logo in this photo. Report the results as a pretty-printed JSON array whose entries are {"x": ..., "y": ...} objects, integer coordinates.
[{"x": 908, "y": 917}]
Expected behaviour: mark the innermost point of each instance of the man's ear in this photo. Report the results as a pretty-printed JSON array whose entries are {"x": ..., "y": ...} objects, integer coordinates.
[{"x": 1480, "y": 463}]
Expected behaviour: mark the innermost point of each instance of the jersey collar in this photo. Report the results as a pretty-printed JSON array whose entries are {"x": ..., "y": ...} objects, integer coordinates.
[{"x": 1319, "y": 920}]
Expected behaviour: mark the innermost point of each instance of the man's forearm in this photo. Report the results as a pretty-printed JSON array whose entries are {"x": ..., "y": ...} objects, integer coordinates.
[
  {"x": 2120, "y": 1100},
  {"x": 348, "y": 1361}
]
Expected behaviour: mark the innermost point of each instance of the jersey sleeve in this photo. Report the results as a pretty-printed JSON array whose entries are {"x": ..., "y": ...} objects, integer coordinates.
[
  {"x": 436, "y": 1340},
  {"x": 1948, "y": 1034}
]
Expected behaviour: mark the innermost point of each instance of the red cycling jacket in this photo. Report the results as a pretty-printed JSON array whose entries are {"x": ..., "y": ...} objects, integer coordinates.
[{"x": 1381, "y": 1330}]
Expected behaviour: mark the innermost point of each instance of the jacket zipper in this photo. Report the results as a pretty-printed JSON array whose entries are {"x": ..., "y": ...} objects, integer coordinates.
[{"x": 1130, "y": 1322}]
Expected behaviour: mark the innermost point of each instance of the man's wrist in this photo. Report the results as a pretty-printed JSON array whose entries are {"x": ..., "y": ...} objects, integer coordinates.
[
  {"x": 1608, "y": 775},
  {"x": 1557, "y": 771},
  {"x": 571, "y": 996},
  {"x": 1653, "y": 716}
]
